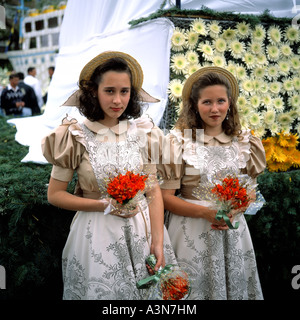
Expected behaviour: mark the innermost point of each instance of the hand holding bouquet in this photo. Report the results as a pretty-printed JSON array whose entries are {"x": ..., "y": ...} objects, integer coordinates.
[
  {"x": 234, "y": 192},
  {"x": 168, "y": 283},
  {"x": 127, "y": 189}
]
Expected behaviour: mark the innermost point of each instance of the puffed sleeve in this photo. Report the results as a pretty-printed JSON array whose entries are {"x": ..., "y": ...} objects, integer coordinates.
[
  {"x": 63, "y": 149},
  {"x": 257, "y": 162},
  {"x": 171, "y": 169}
]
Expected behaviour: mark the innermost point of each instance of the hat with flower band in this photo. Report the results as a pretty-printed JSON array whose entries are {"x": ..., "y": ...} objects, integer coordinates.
[{"x": 187, "y": 88}]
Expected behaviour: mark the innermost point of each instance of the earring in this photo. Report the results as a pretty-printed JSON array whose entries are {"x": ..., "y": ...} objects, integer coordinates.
[{"x": 227, "y": 116}]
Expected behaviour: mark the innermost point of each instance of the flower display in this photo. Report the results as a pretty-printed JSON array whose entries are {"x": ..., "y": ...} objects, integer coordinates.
[{"x": 265, "y": 59}]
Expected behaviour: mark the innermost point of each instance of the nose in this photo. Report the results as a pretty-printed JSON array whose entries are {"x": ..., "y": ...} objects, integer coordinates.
[
  {"x": 117, "y": 98},
  {"x": 214, "y": 107}
]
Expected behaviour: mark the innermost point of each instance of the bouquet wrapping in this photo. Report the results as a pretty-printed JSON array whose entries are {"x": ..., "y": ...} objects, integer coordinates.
[
  {"x": 127, "y": 189},
  {"x": 168, "y": 283},
  {"x": 228, "y": 191}
]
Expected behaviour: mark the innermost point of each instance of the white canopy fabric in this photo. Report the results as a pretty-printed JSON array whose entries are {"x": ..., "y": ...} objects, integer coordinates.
[{"x": 91, "y": 27}]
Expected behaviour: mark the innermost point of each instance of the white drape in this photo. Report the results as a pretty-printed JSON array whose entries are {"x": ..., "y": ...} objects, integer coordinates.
[{"x": 93, "y": 26}]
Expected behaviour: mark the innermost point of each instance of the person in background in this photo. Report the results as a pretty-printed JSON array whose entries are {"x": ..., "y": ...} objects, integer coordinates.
[
  {"x": 29, "y": 95},
  {"x": 32, "y": 81},
  {"x": 50, "y": 72},
  {"x": 12, "y": 99}
]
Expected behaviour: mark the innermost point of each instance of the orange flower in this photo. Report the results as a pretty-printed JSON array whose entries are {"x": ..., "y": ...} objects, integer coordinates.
[
  {"x": 175, "y": 288},
  {"x": 124, "y": 187}
]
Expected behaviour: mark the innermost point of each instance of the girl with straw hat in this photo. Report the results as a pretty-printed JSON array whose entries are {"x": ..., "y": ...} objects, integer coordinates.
[
  {"x": 104, "y": 256},
  {"x": 208, "y": 139}
]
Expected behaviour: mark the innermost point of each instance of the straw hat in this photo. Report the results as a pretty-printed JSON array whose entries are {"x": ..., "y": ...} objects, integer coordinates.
[
  {"x": 187, "y": 88},
  {"x": 134, "y": 66}
]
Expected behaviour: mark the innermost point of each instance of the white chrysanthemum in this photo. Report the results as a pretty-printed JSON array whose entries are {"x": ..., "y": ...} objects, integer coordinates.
[
  {"x": 241, "y": 102},
  {"x": 269, "y": 117},
  {"x": 191, "y": 68},
  {"x": 274, "y": 128},
  {"x": 175, "y": 89},
  {"x": 274, "y": 35},
  {"x": 255, "y": 120},
  {"x": 284, "y": 119},
  {"x": 178, "y": 40},
  {"x": 191, "y": 39},
  {"x": 255, "y": 101},
  {"x": 178, "y": 63},
  {"x": 257, "y": 85},
  {"x": 220, "y": 45},
  {"x": 285, "y": 128},
  {"x": 192, "y": 57},
  {"x": 207, "y": 50},
  {"x": 244, "y": 123},
  {"x": 245, "y": 111},
  {"x": 219, "y": 61},
  {"x": 295, "y": 114},
  {"x": 255, "y": 47},
  {"x": 275, "y": 87},
  {"x": 273, "y": 52},
  {"x": 229, "y": 34},
  {"x": 261, "y": 59},
  {"x": 295, "y": 62},
  {"x": 259, "y": 72},
  {"x": 264, "y": 87},
  {"x": 241, "y": 72},
  {"x": 249, "y": 60},
  {"x": 296, "y": 83},
  {"x": 214, "y": 29},
  {"x": 272, "y": 72},
  {"x": 243, "y": 29},
  {"x": 292, "y": 34},
  {"x": 286, "y": 50},
  {"x": 297, "y": 128},
  {"x": 294, "y": 101},
  {"x": 284, "y": 67},
  {"x": 247, "y": 86},
  {"x": 259, "y": 33},
  {"x": 237, "y": 48},
  {"x": 260, "y": 132},
  {"x": 198, "y": 25},
  {"x": 231, "y": 67},
  {"x": 267, "y": 100},
  {"x": 288, "y": 85},
  {"x": 278, "y": 104},
  {"x": 179, "y": 108}
]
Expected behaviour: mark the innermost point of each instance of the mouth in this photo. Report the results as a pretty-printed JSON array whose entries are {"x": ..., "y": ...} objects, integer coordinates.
[
  {"x": 116, "y": 109},
  {"x": 215, "y": 117}
]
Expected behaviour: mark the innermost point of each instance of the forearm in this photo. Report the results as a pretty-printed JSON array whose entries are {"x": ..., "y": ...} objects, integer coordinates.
[{"x": 59, "y": 197}]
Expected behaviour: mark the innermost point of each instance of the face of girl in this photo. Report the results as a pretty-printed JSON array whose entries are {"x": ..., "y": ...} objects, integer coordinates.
[
  {"x": 113, "y": 95},
  {"x": 213, "y": 104}
]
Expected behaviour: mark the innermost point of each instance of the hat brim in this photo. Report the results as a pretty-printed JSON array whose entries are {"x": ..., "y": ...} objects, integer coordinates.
[
  {"x": 187, "y": 88},
  {"x": 135, "y": 68}
]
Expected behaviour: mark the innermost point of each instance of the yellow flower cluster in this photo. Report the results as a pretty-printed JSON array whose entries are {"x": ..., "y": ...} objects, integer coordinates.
[
  {"x": 264, "y": 59},
  {"x": 281, "y": 152}
]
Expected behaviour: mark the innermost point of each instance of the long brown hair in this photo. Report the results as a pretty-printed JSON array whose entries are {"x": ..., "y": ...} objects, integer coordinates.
[{"x": 189, "y": 117}]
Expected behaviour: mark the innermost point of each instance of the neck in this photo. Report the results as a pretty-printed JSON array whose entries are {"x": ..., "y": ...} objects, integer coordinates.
[
  {"x": 109, "y": 122},
  {"x": 213, "y": 132}
]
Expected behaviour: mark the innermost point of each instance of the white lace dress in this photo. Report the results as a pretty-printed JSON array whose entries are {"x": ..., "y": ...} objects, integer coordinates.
[
  {"x": 104, "y": 255},
  {"x": 222, "y": 264}
]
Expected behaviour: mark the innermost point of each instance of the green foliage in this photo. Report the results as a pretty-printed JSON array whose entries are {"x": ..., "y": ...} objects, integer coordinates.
[
  {"x": 32, "y": 232},
  {"x": 275, "y": 232}
]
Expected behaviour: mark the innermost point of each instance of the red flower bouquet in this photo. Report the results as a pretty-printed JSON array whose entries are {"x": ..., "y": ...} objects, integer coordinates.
[
  {"x": 124, "y": 187},
  {"x": 230, "y": 193},
  {"x": 168, "y": 283}
]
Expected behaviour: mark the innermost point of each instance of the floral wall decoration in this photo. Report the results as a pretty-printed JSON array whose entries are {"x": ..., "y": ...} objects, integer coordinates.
[{"x": 265, "y": 58}]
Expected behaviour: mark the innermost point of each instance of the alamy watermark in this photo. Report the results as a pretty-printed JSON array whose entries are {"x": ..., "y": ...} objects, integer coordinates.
[
  {"x": 2, "y": 278},
  {"x": 296, "y": 278},
  {"x": 295, "y": 9}
]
